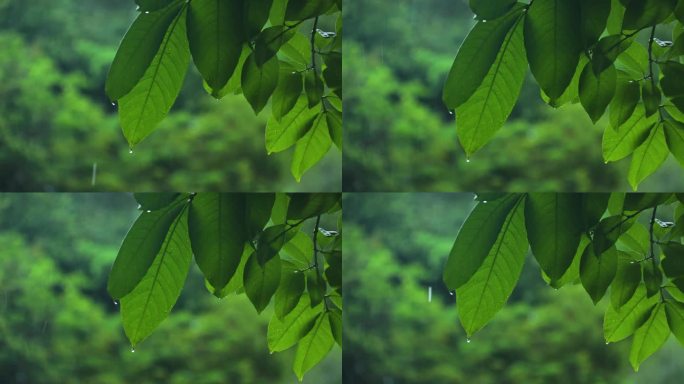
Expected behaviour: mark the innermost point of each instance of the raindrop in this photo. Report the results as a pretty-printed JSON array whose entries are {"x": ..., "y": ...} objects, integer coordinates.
[
  {"x": 484, "y": 21},
  {"x": 607, "y": 342},
  {"x": 130, "y": 151},
  {"x": 474, "y": 17},
  {"x": 113, "y": 104},
  {"x": 139, "y": 206},
  {"x": 148, "y": 211},
  {"x": 430, "y": 294},
  {"x": 451, "y": 293},
  {"x": 132, "y": 350},
  {"x": 484, "y": 202},
  {"x": 116, "y": 302},
  {"x": 296, "y": 271},
  {"x": 468, "y": 160},
  {"x": 451, "y": 113},
  {"x": 468, "y": 340},
  {"x": 147, "y": 12},
  {"x": 94, "y": 177}
]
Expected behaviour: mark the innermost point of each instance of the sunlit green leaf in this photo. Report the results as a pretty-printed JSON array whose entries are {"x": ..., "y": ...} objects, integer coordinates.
[
  {"x": 314, "y": 346},
  {"x": 649, "y": 337}
]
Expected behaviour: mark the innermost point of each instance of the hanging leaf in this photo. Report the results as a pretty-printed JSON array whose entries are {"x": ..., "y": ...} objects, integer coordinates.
[
  {"x": 649, "y": 337},
  {"x": 621, "y": 323},
  {"x": 286, "y": 332},
  {"x": 597, "y": 272},
  {"x": 314, "y": 346},
  {"x": 258, "y": 83},
  {"x": 261, "y": 282},
  {"x": 648, "y": 157},
  {"x": 311, "y": 147},
  {"x": 596, "y": 92}
]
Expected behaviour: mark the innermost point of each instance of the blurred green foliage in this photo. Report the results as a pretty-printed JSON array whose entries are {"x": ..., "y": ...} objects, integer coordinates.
[
  {"x": 395, "y": 249},
  {"x": 401, "y": 137},
  {"x": 58, "y": 325},
  {"x": 57, "y": 128}
]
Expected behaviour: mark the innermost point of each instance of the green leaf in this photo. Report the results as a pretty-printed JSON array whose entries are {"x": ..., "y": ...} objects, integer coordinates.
[
  {"x": 674, "y": 136},
  {"x": 553, "y": 43},
  {"x": 261, "y": 282},
  {"x": 554, "y": 224},
  {"x": 673, "y": 263},
  {"x": 649, "y": 337},
  {"x": 313, "y": 87},
  {"x": 488, "y": 108},
  {"x": 138, "y": 49},
  {"x": 650, "y": 94},
  {"x": 139, "y": 249},
  {"x": 215, "y": 35},
  {"x": 597, "y": 272},
  {"x": 624, "y": 103},
  {"x": 489, "y": 288},
  {"x": 258, "y": 83},
  {"x": 218, "y": 234},
  {"x": 619, "y": 324},
  {"x": 596, "y": 92},
  {"x": 608, "y": 231},
  {"x": 314, "y": 346},
  {"x": 306, "y": 9},
  {"x": 154, "y": 201},
  {"x": 311, "y": 147},
  {"x": 607, "y": 51},
  {"x": 334, "y": 271},
  {"x": 286, "y": 94},
  {"x": 290, "y": 291},
  {"x": 150, "y": 100},
  {"x": 635, "y": 239},
  {"x": 476, "y": 238},
  {"x": 286, "y": 332},
  {"x": 620, "y": 142},
  {"x": 643, "y": 13},
  {"x": 633, "y": 61},
  {"x": 675, "y": 318},
  {"x": 306, "y": 205},
  {"x": 299, "y": 250},
  {"x": 235, "y": 285},
  {"x": 144, "y": 308},
  {"x": 476, "y": 56},
  {"x": 315, "y": 286},
  {"x": 333, "y": 70},
  {"x": 281, "y": 135},
  {"x": 594, "y": 20},
  {"x": 648, "y": 157},
  {"x": 627, "y": 279},
  {"x": 593, "y": 207},
  {"x": 641, "y": 201}
]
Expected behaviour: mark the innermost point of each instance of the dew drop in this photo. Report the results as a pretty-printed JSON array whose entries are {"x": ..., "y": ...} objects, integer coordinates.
[
  {"x": 468, "y": 160},
  {"x": 484, "y": 21},
  {"x": 607, "y": 342},
  {"x": 451, "y": 293},
  {"x": 146, "y": 12},
  {"x": 484, "y": 202},
  {"x": 468, "y": 340},
  {"x": 451, "y": 113},
  {"x": 430, "y": 294},
  {"x": 130, "y": 151},
  {"x": 113, "y": 104},
  {"x": 148, "y": 211},
  {"x": 116, "y": 302},
  {"x": 132, "y": 350}
]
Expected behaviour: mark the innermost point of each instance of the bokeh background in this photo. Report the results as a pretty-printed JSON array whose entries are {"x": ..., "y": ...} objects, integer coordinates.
[
  {"x": 56, "y": 124},
  {"x": 395, "y": 249},
  {"x": 58, "y": 324},
  {"x": 400, "y": 136}
]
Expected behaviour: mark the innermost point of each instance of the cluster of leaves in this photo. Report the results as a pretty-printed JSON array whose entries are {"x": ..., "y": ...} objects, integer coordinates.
[
  {"x": 226, "y": 235},
  {"x": 596, "y": 239},
  {"x": 578, "y": 51},
  {"x": 251, "y": 47}
]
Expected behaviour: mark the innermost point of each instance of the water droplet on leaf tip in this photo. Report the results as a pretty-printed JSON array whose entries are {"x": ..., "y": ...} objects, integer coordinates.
[
  {"x": 484, "y": 202},
  {"x": 467, "y": 160},
  {"x": 147, "y": 11},
  {"x": 451, "y": 293},
  {"x": 148, "y": 211},
  {"x": 484, "y": 21},
  {"x": 132, "y": 350},
  {"x": 130, "y": 151},
  {"x": 116, "y": 302},
  {"x": 607, "y": 342},
  {"x": 468, "y": 340}
]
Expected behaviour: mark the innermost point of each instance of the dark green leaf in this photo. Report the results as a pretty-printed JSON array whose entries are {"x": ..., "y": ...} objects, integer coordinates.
[
  {"x": 673, "y": 263},
  {"x": 596, "y": 92},
  {"x": 218, "y": 234},
  {"x": 286, "y": 94},
  {"x": 675, "y": 318},
  {"x": 594, "y": 19},
  {"x": 652, "y": 278},
  {"x": 144, "y": 308},
  {"x": 607, "y": 51},
  {"x": 151, "y": 99},
  {"x": 674, "y": 135},
  {"x": 306, "y": 205},
  {"x": 269, "y": 41},
  {"x": 483, "y": 295},
  {"x": 315, "y": 286},
  {"x": 624, "y": 103},
  {"x": 650, "y": 93},
  {"x": 334, "y": 271},
  {"x": 490, "y": 9},
  {"x": 152, "y": 5},
  {"x": 258, "y": 83},
  {"x": 608, "y": 231},
  {"x": 306, "y": 9},
  {"x": 256, "y": 14},
  {"x": 137, "y": 50},
  {"x": 627, "y": 279},
  {"x": 215, "y": 35},
  {"x": 476, "y": 238},
  {"x": 154, "y": 201},
  {"x": 336, "y": 325},
  {"x": 333, "y": 70},
  {"x": 597, "y": 272},
  {"x": 334, "y": 118},
  {"x": 272, "y": 240},
  {"x": 593, "y": 207},
  {"x": 261, "y": 282},
  {"x": 641, "y": 201},
  {"x": 554, "y": 225},
  {"x": 643, "y": 13},
  {"x": 290, "y": 291},
  {"x": 553, "y": 43},
  {"x": 475, "y": 58},
  {"x": 313, "y": 85},
  {"x": 139, "y": 249},
  {"x": 259, "y": 208}
]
